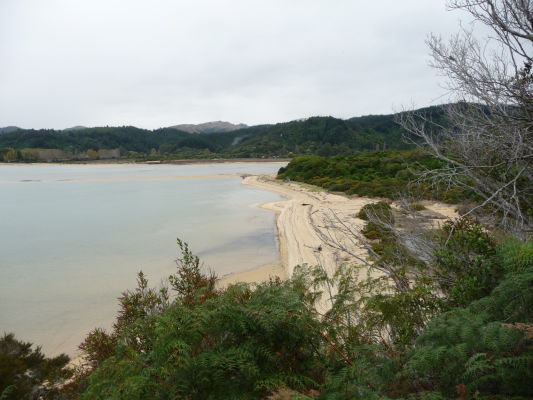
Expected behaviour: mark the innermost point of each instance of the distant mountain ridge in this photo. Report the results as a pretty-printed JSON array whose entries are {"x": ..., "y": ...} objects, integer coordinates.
[
  {"x": 209, "y": 127},
  {"x": 324, "y": 136},
  {"x": 76, "y": 128},
  {"x": 7, "y": 129}
]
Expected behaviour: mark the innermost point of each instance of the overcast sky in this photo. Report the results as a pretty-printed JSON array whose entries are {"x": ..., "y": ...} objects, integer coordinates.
[{"x": 155, "y": 63}]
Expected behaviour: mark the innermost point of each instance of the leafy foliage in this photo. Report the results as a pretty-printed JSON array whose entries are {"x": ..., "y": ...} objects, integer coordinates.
[
  {"x": 484, "y": 349},
  {"x": 374, "y": 340},
  {"x": 239, "y": 344},
  {"x": 486, "y": 346},
  {"x": 467, "y": 264},
  {"x": 25, "y": 372},
  {"x": 381, "y": 210},
  {"x": 325, "y": 136},
  {"x": 374, "y": 174},
  {"x": 242, "y": 343}
]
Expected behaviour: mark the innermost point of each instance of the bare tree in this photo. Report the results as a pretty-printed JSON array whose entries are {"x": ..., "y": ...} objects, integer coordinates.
[
  {"x": 347, "y": 238},
  {"x": 486, "y": 139}
]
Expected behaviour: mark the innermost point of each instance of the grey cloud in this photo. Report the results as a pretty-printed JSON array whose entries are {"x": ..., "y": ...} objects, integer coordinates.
[{"x": 161, "y": 62}]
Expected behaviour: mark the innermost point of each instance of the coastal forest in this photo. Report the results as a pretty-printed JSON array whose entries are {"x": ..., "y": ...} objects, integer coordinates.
[
  {"x": 325, "y": 136},
  {"x": 431, "y": 313},
  {"x": 387, "y": 174}
]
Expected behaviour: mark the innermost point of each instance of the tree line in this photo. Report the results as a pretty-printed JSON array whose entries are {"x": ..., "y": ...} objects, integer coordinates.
[{"x": 317, "y": 135}]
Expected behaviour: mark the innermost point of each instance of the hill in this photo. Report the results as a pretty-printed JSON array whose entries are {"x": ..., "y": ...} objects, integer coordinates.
[
  {"x": 210, "y": 127},
  {"x": 75, "y": 128},
  {"x": 7, "y": 129},
  {"x": 324, "y": 136}
]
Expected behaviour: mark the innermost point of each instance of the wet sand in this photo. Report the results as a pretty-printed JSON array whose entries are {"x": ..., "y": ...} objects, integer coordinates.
[{"x": 304, "y": 218}]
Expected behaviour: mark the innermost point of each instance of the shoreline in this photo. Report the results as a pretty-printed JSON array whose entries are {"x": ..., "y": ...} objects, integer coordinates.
[
  {"x": 186, "y": 161},
  {"x": 304, "y": 218},
  {"x": 300, "y": 218}
]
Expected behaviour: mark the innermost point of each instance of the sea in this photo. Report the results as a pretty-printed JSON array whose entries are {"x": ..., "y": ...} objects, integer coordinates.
[{"x": 73, "y": 237}]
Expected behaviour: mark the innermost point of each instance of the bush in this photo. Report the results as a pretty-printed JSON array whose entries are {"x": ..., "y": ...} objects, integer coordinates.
[
  {"x": 467, "y": 265},
  {"x": 486, "y": 346},
  {"x": 240, "y": 343},
  {"x": 373, "y": 174},
  {"x": 381, "y": 211},
  {"x": 417, "y": 207},
  {"x": 25, "y": 372}
]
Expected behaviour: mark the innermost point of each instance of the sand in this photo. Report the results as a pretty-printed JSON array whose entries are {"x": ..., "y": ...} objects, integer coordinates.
[
  {"x": 149, "y": 178},
  {"x": 300, "y": 221},
  {"x": 305, "y": 219}
]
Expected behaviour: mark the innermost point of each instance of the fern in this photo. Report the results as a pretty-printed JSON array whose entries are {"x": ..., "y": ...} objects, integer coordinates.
[{"x": 474, "y": 346}]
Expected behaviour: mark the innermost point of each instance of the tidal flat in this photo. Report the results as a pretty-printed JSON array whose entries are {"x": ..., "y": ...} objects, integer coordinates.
[{"x": 73, "y": 237}]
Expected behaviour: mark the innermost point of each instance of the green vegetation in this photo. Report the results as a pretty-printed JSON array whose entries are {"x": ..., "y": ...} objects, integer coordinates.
[
  {"x": 381, "y": 210},
  {"x": 374, "y": 174},
  {"x": 457, "y": 323},
  {"x": 26, "y": 374},
  {"x": 131, "y": 142},
  {"x": 206, "y": 344},
  {"x": 376, "y": 340},
  {"x": 486, "y": 345},
  {"x": 323, "y": 136}
]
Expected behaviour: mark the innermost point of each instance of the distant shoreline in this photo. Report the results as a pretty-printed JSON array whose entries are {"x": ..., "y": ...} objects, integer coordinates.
[{"x": 187, "y": 161}]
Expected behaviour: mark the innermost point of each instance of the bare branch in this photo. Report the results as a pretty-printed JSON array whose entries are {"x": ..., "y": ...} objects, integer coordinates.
[{"x": 487, "y": 140}]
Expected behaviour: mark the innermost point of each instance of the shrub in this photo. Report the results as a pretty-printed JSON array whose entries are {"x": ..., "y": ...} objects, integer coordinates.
[
  {"x": 487, "y": 346},
  {"x": 26, "y": 373},
  {"x": 381, "y": 211},
  {"x": 417, "y": 207},
  {"x": 467, "y": 264}
]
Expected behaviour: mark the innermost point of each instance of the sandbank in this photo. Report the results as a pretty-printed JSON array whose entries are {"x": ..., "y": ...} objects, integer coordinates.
[{"x": 305, "y": 218}]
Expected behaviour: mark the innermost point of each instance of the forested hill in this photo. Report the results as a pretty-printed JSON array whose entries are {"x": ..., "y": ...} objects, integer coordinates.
[
  {"x": 317, "y": 135},
  {"x": 327, "y": 136}
]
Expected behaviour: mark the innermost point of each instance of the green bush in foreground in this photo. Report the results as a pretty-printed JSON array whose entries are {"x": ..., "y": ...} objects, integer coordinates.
[
  {"x": 374, "y": 342},
  {"x": 471, "y": 339},
  {"x": 240, "y": 344},
  {"x": 486, "y": 346}
]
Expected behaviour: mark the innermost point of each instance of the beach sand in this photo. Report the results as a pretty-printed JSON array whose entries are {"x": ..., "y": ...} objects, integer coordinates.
[
  {"x": 300, "y": 219},
  {"x": 304, "y": 218}
]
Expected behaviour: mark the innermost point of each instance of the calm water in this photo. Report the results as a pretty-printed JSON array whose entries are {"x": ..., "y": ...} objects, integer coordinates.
[{"x": 72, "y": 237}]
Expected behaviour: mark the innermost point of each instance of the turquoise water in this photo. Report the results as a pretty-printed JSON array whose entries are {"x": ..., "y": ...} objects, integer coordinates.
[{"x": 72, "y": 237}]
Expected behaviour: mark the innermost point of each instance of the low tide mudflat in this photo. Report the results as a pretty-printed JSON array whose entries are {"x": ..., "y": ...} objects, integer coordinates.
[{"x": 73, "y": 237}]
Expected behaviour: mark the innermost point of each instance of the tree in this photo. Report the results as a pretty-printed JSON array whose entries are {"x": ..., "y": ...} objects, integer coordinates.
[
  {"x": 26, "y": 374},
  {"x": 487, "y": 143},
  {"x": 92, "y": 154},
  {"x": 243, "y": 342},
  {"x": 11, "y": 155}
]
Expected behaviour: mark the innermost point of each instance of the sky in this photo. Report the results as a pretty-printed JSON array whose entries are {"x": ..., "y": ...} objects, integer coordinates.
[{"x": 157, "y": 63}]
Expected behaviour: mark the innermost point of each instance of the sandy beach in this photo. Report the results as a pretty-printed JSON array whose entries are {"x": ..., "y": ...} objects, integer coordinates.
[
  {"x": 305, "y": 218},
  {"x": 301, "y": 219}
]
